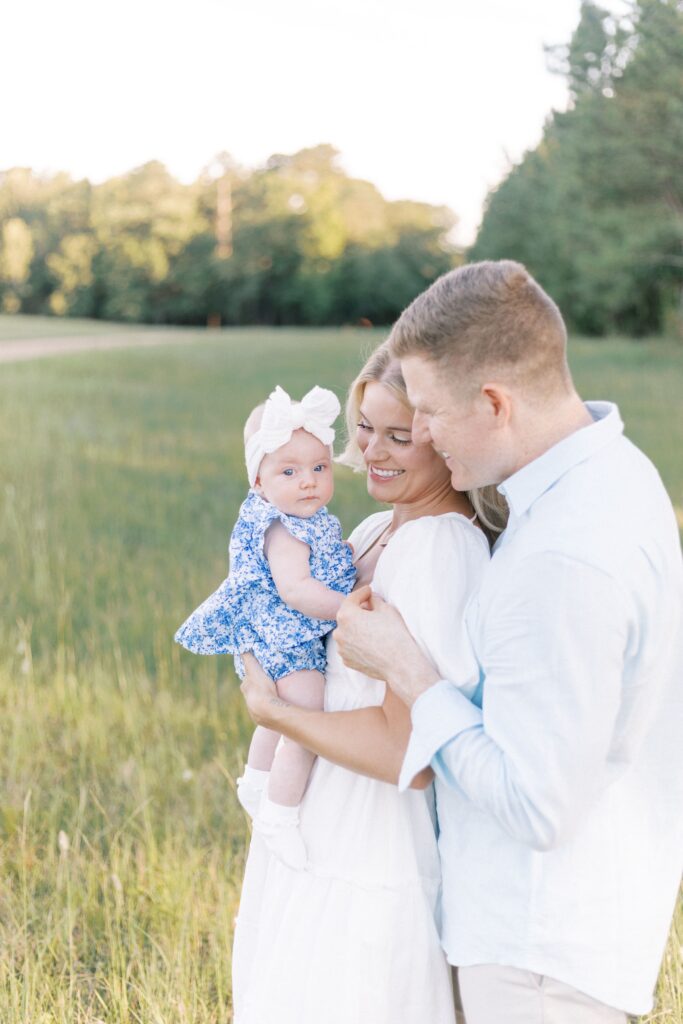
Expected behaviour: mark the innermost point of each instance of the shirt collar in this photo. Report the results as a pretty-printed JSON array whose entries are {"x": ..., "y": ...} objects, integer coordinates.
[{"x": 525, "y": 486}]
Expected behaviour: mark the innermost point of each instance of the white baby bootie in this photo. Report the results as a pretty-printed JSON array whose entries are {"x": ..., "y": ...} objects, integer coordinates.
[
  {"x": 279, "y": 826},
  {"x": 250, "y": 788}
]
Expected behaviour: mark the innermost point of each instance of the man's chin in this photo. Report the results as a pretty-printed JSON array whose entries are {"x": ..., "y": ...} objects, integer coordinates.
[{"x": 460, "y": 481}]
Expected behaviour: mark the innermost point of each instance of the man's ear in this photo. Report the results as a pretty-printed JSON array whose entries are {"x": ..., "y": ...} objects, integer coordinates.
[{"x": 497, "y": 401}]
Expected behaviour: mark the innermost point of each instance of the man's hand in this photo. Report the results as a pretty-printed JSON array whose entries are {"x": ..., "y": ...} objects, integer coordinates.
[
  {"x": 373, "y": 639},
  {"x": 260, "y": 694}
]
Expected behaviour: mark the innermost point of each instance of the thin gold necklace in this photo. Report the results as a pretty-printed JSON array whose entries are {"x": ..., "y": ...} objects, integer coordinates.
[{"x": 383, "y": 543}]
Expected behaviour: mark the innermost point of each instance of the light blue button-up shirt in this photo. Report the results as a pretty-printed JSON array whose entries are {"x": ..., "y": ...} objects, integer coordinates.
[{"x": 560, "y": 799}]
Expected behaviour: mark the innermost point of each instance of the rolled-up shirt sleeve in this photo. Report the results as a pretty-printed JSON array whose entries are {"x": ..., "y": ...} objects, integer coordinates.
[
  {"x": 438, "y": 716},
  {"x": 552, "y": 646}
]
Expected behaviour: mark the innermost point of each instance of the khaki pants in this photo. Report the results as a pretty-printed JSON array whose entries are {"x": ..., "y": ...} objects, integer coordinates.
[{"x": 489, "y": 994}]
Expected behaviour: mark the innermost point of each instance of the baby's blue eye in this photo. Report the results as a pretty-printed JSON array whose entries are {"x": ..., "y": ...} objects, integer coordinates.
[
  {"x": 320, "y": 468},
  {"x": 288, "y": 472}
]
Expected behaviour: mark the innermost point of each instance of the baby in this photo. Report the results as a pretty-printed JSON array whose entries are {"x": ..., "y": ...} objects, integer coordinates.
[{"x": 289, "y": 573}]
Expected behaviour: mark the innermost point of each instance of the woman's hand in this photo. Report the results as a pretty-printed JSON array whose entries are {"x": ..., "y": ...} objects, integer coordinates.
[
  {"x": 260, "y": 693},
  {"x": 373, "y": 639}
]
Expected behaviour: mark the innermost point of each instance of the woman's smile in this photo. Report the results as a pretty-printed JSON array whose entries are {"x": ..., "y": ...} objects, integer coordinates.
[
  {"x": 382, "y": 475},
  {"x": 400, "y": 471}
]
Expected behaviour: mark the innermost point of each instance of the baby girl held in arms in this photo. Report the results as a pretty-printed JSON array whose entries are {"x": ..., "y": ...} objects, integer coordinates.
[{"x": 289, "y": 573}]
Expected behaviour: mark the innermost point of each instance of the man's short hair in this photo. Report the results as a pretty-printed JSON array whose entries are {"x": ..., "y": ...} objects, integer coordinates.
[{"x": 488, "y": 319}]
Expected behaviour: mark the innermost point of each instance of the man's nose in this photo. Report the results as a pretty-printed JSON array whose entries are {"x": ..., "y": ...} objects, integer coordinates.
[{"x": 420, "y": 429}]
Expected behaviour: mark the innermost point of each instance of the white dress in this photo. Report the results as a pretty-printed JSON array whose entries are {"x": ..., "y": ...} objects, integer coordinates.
[{"x": 354, "y": 938}]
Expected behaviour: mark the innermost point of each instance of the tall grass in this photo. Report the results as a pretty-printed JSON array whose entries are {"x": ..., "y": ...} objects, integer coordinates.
[{"x": 121, "y": 842}]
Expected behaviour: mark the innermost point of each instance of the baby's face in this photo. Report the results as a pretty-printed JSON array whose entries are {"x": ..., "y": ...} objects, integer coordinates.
[{"x": 297, "y": 478}]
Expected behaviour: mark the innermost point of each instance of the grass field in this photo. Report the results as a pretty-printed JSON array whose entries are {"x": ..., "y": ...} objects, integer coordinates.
[
  {"x": 121, "y": 842},
  {"x": 14, "y": 328}
]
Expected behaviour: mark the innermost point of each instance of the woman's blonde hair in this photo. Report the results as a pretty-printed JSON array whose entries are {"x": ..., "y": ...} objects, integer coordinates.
[{"x": 383, "y": 367}]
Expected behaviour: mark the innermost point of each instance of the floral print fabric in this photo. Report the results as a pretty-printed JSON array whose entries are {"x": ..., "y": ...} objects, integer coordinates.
[{"x": 246, "y": 613}]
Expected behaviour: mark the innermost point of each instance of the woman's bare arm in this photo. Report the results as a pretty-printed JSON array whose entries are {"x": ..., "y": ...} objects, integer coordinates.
[{"x": 371, "y": 741}]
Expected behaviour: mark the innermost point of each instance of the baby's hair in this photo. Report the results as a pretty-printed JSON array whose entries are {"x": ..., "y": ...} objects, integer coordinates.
[{"x": 253, "y": 421}]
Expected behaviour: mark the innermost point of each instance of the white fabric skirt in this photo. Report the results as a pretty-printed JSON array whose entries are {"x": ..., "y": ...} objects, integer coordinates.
[{"x": 353, "y": 939}]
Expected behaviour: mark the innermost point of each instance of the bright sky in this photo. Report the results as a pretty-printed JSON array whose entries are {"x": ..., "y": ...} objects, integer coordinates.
[{"x": 428, "y": 99}]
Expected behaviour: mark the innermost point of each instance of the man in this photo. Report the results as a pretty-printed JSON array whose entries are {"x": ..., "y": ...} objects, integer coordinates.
[{"x": 560, "y": 798}]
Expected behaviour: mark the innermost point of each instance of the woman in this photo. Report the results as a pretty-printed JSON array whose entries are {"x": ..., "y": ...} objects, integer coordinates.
[{"x": 353, "y": 939}]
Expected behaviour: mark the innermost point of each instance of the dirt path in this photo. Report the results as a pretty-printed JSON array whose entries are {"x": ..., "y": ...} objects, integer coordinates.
[{"x": 39, "y": 348}]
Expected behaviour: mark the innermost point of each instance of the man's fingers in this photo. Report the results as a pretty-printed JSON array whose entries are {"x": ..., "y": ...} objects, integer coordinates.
[
  {"x": 364, "y": 599},
  {"x": 356, "y": 599}
]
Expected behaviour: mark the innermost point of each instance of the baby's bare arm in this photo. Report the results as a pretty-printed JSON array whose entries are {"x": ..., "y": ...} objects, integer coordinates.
[{"x": 288, "y": 560}]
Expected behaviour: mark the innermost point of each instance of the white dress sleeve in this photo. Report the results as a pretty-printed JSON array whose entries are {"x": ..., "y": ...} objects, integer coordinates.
[{"x": 430, "y": 569}]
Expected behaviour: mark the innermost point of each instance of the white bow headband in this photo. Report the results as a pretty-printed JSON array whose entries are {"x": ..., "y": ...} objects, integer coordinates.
[{"x": 315, "y": 413}]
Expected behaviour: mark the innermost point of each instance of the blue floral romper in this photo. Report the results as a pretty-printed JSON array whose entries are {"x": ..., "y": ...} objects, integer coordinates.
[{"x": 246, "y": 613}]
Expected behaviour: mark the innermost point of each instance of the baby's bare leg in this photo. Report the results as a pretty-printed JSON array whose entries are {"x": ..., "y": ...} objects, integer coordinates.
[
  {"x": 262, "y": 748},
  {"x": 292, "y": 763}
]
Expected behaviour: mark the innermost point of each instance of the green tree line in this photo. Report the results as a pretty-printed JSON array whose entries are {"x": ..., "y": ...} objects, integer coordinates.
[
  {"x": 596, "y": 210},
  {"x": 295, "y": 242}
]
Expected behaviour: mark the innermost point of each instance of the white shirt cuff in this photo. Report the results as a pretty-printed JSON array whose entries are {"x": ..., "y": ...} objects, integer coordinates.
[{"x": 438, "y": 716}]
